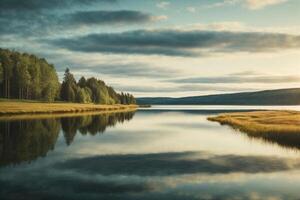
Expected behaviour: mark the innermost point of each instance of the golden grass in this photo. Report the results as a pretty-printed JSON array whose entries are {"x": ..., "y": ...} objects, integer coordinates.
[
  {"x": 258, "y": 122},
  {"x": 17, "y": 117},
  {"x": 16, "y": 107}
]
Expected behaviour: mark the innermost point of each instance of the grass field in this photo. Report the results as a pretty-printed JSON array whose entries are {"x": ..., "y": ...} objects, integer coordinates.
[
  {"x": 31, "y": 107},
  {"x": 261, "y": 122}
]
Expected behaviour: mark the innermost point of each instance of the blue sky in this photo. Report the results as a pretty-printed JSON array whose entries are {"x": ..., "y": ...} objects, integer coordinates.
[{"x": 161, "y": 47}]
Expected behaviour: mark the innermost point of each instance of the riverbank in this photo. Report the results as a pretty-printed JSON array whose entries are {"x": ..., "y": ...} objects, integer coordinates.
[
  {"x": 261, "y": 122},
  {"x": 27, "y": 107}
]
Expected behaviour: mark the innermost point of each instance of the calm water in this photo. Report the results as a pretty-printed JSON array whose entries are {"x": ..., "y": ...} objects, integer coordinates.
[{"x": 157, "y": 153}]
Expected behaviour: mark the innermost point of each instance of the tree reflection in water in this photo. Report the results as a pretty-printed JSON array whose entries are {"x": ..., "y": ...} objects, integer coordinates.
[{"x": 27, "y": 140}]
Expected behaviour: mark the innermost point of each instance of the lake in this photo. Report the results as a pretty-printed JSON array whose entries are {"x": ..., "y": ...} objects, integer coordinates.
[{"x": 162, "y": 152}]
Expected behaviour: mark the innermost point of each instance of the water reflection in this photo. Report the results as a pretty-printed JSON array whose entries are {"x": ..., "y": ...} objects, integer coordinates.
[
  {"x": 187, "y": 175},
  {"x": 287, "y": 140},
  {"x": 159, "y": 154},
  {"x": 91, "y": 124},
  {"x": 26, "y": 140},
  {"x": 177, "y": 163},
  {"x": 290, "y": 140}
]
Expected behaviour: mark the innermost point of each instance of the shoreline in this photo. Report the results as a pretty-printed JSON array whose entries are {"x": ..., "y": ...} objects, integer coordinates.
[
  {"x": 14, "y": 108},
  {"x": 4, "y": 118}
]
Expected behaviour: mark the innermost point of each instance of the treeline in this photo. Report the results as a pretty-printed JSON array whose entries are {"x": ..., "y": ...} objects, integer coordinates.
[
  {"x": 91, "y": 90},
  {"x": 25, "y": 76}
]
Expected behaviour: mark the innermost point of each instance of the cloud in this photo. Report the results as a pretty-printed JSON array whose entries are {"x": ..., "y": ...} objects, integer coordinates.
[
  {"x": 245, "y": 73},
  {"x": 163, "y": 4},
  {"x": 237, "y": 26},
  {"x": 59, "y": 17},
  {"x": 110, "y": 17},
  {"x": 259, "y": 4},
  {"x": 181, "y": 88},
  {"x": 241, "y": 79},
  {"x": 35, "y": 5},
  {"x": 223, "y": 3},
  {"x": 45, "y": 23},
  {"x": 179, "y": 43},
  {"x": 191, "y": 9},
  {"x": 251, "y": 4},
  {"x": 218, "y": 26},
  {"x": 129, "y": 70}
]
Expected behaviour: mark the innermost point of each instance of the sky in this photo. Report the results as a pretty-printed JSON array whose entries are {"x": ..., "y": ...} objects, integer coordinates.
[{"x": 162, "y": 47}]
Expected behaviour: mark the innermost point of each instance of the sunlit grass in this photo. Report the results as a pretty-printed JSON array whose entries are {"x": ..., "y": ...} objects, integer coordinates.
[
  {"x": 262, "y": 121},
  {"x": 32, "y": 107}
]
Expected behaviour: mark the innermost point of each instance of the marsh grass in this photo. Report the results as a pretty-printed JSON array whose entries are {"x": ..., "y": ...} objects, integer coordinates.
[
  {"x": 281, "y": 127},
  {"x": 32, "y": 107},
  {"x": 262, "y": 121}
]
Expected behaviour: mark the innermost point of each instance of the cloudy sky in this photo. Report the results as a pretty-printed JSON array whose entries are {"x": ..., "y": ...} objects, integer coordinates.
[{"x": 162, "y": 48}]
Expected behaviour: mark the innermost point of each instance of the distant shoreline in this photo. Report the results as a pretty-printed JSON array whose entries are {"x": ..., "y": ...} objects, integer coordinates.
[
  {"x": 282, "y": 97},
  {"x": 11, "y": 107}
]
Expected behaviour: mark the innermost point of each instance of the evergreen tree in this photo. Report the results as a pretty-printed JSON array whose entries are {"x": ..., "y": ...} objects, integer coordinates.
[
  {"x": 68, "y": 87},
  {"x": 82, "y": 82}
]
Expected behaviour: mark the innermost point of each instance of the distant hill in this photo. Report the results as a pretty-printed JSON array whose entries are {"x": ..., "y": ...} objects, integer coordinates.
[{"x": 266, "y": 97}]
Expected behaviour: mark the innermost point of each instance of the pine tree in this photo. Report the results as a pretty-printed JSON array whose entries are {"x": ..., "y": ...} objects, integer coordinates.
[
  {"x": 68, "y": 87},
  {"x": 82, "y": 82}
]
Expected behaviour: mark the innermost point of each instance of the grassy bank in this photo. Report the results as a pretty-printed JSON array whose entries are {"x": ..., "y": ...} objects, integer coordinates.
[
  {"x": 16, "y": 117},
  {"x": 262, "y": 122},
  {"x": 27, "y": 107}
]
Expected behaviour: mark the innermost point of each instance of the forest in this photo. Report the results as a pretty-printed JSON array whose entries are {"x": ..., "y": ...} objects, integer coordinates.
[{"x": 25, "y": 76}]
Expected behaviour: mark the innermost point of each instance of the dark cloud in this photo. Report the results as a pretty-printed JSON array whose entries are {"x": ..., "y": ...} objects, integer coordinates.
[
  {"x": 108, "y": 17},
  {"x": 26, "y": 24},
  {"x": 34, "y": 17},
  {"x": 41, "y": 23},
  {"x": 179, "y": 43},
  {"x": 240, "y": 79},
  {"x": 39, "y": 17},
  {"x": 37, "y": 5}
]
